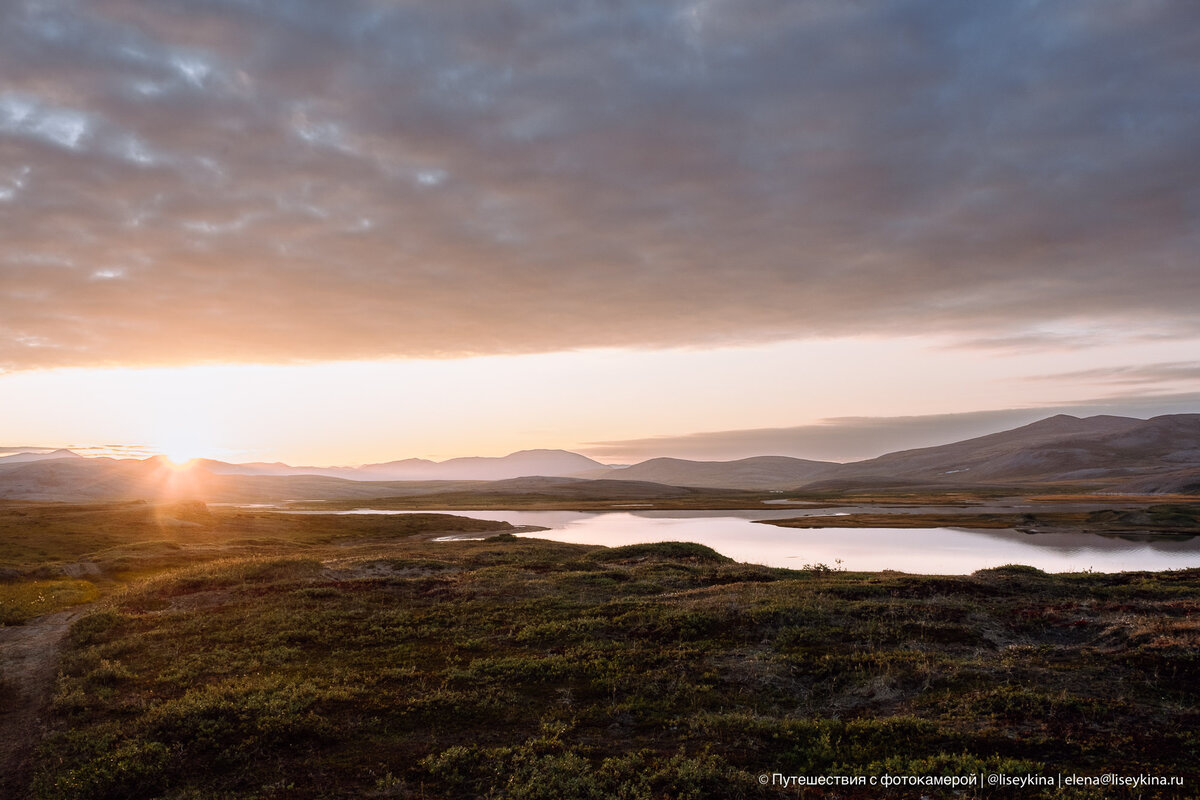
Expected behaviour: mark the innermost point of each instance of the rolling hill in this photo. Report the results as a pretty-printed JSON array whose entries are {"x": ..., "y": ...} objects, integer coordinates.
[
  {"x": 759, "y": 472},
  {"x": 550, "y": 463},
  {"x": 1057, "y": 449}
]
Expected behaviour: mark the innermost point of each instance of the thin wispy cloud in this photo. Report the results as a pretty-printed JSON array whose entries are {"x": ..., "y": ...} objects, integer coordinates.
[
  {"x": 225, "y": 180},
  {"x": 857, "y": 438},
  {"x": 1166, "y": 373}
]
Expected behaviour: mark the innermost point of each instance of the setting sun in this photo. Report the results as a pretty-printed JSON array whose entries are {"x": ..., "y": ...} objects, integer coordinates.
[
  {"x": 183, "y": 447},
  {"x": 177, "y": 460}
]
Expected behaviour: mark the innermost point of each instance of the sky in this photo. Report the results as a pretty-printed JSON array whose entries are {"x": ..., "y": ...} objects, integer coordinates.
[{"x": 349, "y": 232}]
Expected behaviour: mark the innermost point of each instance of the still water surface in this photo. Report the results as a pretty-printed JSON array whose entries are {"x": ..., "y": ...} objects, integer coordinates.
[{"x": 930, "y": 551}]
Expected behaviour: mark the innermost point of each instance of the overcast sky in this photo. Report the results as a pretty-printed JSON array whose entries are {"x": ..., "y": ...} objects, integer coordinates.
[{"x": 190, "y": 182}]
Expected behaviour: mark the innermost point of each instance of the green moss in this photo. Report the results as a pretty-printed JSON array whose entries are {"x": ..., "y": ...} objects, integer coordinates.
[{"x": 687, "y": 552}]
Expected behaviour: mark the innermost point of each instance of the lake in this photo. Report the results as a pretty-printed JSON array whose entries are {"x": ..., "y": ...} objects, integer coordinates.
[{"x": 929, "y": 551}]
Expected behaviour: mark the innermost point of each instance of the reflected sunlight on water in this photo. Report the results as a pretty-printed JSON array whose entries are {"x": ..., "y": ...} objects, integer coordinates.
[{"x": 931, "y": 551}]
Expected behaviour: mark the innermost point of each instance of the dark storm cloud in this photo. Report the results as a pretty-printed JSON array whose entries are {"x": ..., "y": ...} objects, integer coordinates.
[
  {"x": 226, "y": 179},
  {"x": 858, "y": 438}
]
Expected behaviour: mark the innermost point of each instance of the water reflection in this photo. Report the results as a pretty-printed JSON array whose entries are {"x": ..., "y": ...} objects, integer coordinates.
[
  {"x": 920, "y": 550},
  {"x": 931, "y": 551}
]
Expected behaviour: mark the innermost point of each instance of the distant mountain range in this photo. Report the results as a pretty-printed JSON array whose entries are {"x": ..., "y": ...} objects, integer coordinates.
[
  {"x": 1124, "y": 454},
  {"x": 25, "y": 458},
  {"x": 1114, "y": 454},
  {"x": 759, "y": 472},
  {"x": 550, "y": 463},
  {"x": 1104, "y": 449}
]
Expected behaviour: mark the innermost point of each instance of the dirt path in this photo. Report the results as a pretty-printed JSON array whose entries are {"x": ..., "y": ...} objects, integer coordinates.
[{"x": 28, "y": 657}]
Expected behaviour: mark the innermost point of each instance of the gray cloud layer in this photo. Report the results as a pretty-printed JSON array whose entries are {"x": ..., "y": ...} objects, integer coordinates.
[{"x": 226, "y": 179}]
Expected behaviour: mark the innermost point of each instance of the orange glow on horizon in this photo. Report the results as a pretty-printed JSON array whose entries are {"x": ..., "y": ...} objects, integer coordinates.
[
  {"x": 183, "y": 440},
  {"x": 177, "y": 481},
  {"x": 179, "y": 461},
  {"x": 351, "y": 413}
]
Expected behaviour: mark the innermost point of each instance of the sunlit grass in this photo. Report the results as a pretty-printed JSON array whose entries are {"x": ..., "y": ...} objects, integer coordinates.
[
  {"x": 20, "y": 601},
  {"x": 109, "y": 546}
]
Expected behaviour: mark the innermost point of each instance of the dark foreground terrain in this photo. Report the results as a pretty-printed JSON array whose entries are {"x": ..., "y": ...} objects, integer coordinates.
[{"x": 241, "y": 655}]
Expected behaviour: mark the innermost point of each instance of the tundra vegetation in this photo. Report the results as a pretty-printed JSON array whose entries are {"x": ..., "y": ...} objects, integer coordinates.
[{"x": 237, "y": 654}]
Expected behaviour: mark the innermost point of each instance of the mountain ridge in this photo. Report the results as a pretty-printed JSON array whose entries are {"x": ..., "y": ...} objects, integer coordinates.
[
  {"x": 28, "y": 457},
  {"x": 1060, "y": 448},
  {"x": 1157, "y": 455},
  {"x": 755, "y": 472}
]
